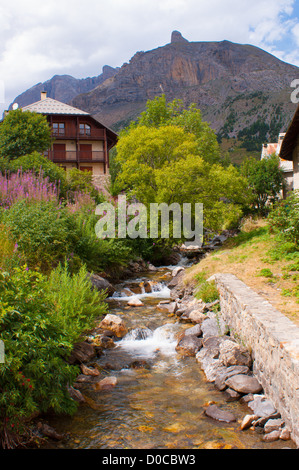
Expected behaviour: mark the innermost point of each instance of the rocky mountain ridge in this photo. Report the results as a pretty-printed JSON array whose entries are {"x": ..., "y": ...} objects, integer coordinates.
[
  {"x": 64, "y": 87},
  {"x": 242, "y": 91}
]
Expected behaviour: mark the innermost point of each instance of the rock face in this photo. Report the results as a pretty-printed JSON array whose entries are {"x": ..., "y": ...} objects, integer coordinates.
[{"x": 177, "y": 37}]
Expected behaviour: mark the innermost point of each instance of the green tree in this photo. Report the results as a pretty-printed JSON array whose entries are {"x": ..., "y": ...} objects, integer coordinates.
[
  {"x": 159, "y": 113},
  {"x": 22, "y": 133},
  {"x": 163, "y": 164},
  {"x": 266, "y": 180}
]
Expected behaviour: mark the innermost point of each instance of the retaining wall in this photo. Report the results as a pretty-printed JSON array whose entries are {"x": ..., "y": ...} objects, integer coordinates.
[{"x": 272, "y": 339}]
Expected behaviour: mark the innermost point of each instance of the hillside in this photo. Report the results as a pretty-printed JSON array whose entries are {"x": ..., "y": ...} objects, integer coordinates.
[{"x": 242, "y": 91}]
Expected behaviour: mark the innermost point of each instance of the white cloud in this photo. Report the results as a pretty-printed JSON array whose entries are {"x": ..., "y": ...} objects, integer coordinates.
[{"x": 40, "y": 39}]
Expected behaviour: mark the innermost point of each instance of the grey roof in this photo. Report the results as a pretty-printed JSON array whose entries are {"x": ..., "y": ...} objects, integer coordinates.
[{"x": 50, "y": 106}]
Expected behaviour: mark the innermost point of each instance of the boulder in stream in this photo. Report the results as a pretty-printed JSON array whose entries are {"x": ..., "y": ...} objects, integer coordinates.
[
  {"x": 82, "y": 352},
  {"x": 115, "y": 324},
  {"x": 214, "y": 412},
  {"x": 135, "y": 302},
  {"x": 108, "y": 383},
  {"x": 244, "y": 384},
  {"x": 101, "y": 284},
  {"x": 189, "y": 345}
]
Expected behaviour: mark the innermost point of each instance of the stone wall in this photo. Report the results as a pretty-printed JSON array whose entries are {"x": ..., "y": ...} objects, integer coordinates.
[{"x": 273, "y": 341}]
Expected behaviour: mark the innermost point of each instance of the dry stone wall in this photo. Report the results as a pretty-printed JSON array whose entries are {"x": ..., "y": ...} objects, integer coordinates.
[{"x": 273, "y": 341}]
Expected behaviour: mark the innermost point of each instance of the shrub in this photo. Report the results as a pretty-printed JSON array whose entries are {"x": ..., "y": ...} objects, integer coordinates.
[
  {"x": 9, "y": 255},
  {"x": 284, "y": 219},
  {"x": 205, "y": 290},
  {"x": 43, "y": 231},
  {"x": 40, "y": 320},
  {"x": 76, "y": 304}
]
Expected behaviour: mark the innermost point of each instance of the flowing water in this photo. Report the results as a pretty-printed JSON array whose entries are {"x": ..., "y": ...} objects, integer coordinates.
[{"x": 160, "y": 397}]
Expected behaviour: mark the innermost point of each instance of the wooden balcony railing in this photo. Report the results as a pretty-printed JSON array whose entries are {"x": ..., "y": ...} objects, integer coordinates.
[
  {"x": 71, "y": 156},
  {"x": 73, "y": 133}
]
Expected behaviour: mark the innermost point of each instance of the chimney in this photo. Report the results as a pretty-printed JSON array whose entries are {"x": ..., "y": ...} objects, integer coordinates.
[{"x": 43, "y": 95}]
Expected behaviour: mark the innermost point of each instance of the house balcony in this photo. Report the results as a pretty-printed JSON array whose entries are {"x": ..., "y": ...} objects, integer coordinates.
[
  {"x": 73, "y": 134},
  {"x": 59, "y": 156}
]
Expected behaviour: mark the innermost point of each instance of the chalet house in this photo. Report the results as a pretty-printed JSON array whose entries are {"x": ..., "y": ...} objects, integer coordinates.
[
  {"x": 289, "y": 150},
  {"x": 79, "y": 140}
]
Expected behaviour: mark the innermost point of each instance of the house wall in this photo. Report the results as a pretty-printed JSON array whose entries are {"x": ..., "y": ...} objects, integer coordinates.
[{"x": 296, "y": 167}]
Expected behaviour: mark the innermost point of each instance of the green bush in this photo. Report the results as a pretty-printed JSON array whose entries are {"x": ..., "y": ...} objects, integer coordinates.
[
  {"x": 284, "y": 219},
  {"x": 43, "y": 231},
  {"x": 206, "y": 290},
  {"x": 40, "y": 320},
  {"x": 76, "y": 304}
]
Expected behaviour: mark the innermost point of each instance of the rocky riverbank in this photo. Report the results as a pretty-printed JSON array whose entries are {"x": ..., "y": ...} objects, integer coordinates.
[{"x": 226, "y": 364}]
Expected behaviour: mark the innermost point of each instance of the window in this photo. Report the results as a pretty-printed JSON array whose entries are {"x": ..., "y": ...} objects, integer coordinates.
[
  {"x": 86, "y": 168},
  {"x": 58, "y": 128},
  {"x": 84, "y": 129}
]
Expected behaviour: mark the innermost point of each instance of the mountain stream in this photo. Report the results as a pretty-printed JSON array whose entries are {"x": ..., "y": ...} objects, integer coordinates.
[{"x": 160, "y": 396}]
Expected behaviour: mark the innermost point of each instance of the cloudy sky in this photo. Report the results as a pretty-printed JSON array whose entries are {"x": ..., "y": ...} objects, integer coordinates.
[{"x": 40, "y": 39}]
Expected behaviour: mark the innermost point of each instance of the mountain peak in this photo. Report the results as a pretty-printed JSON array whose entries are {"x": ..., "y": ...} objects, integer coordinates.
[{"x": 176, "y": 36}]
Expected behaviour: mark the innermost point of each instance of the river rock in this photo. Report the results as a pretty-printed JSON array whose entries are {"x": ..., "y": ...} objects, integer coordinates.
[
  {"x": 147, "y": 286},
  {"x": 103, "y": 342},
  {"x": 210, "y": 327},
  {"x": 272, "y": 436},
  {"x": 261, "y": 406},
  {"x": 231, "y": 395},
  {"x": 177, "y": 270},
  {"x": 214, "y": 412},
  {"x": 196, "y": 316},
  {"x": 247, "y": 421},
  {"x": 273, "y": 425},
  {"x": 50, "y": 432},
  {"x": 189, "y": 345},
  {"x": 231, "y": 354},
  {"x": 211, "y": 368},
  {"x": 126, "y": 292},
  {"x": 285, "y": 434},
  {"x": 167, "y": 307},
  {"x": 228, "y": 372},
  {"x": 94, "y": 372},
  {"x": 82, "y": 352},
  {"x": 115, "y": 324},
  {"x": 108, "y": 383},
  {"x": 194, "y": 330},
  {"x": 135, "y": 302},
  {"x": 76, "y": 395},
  {"x": 244, "y": 383},
  {"x": 101, "y": 284}
]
